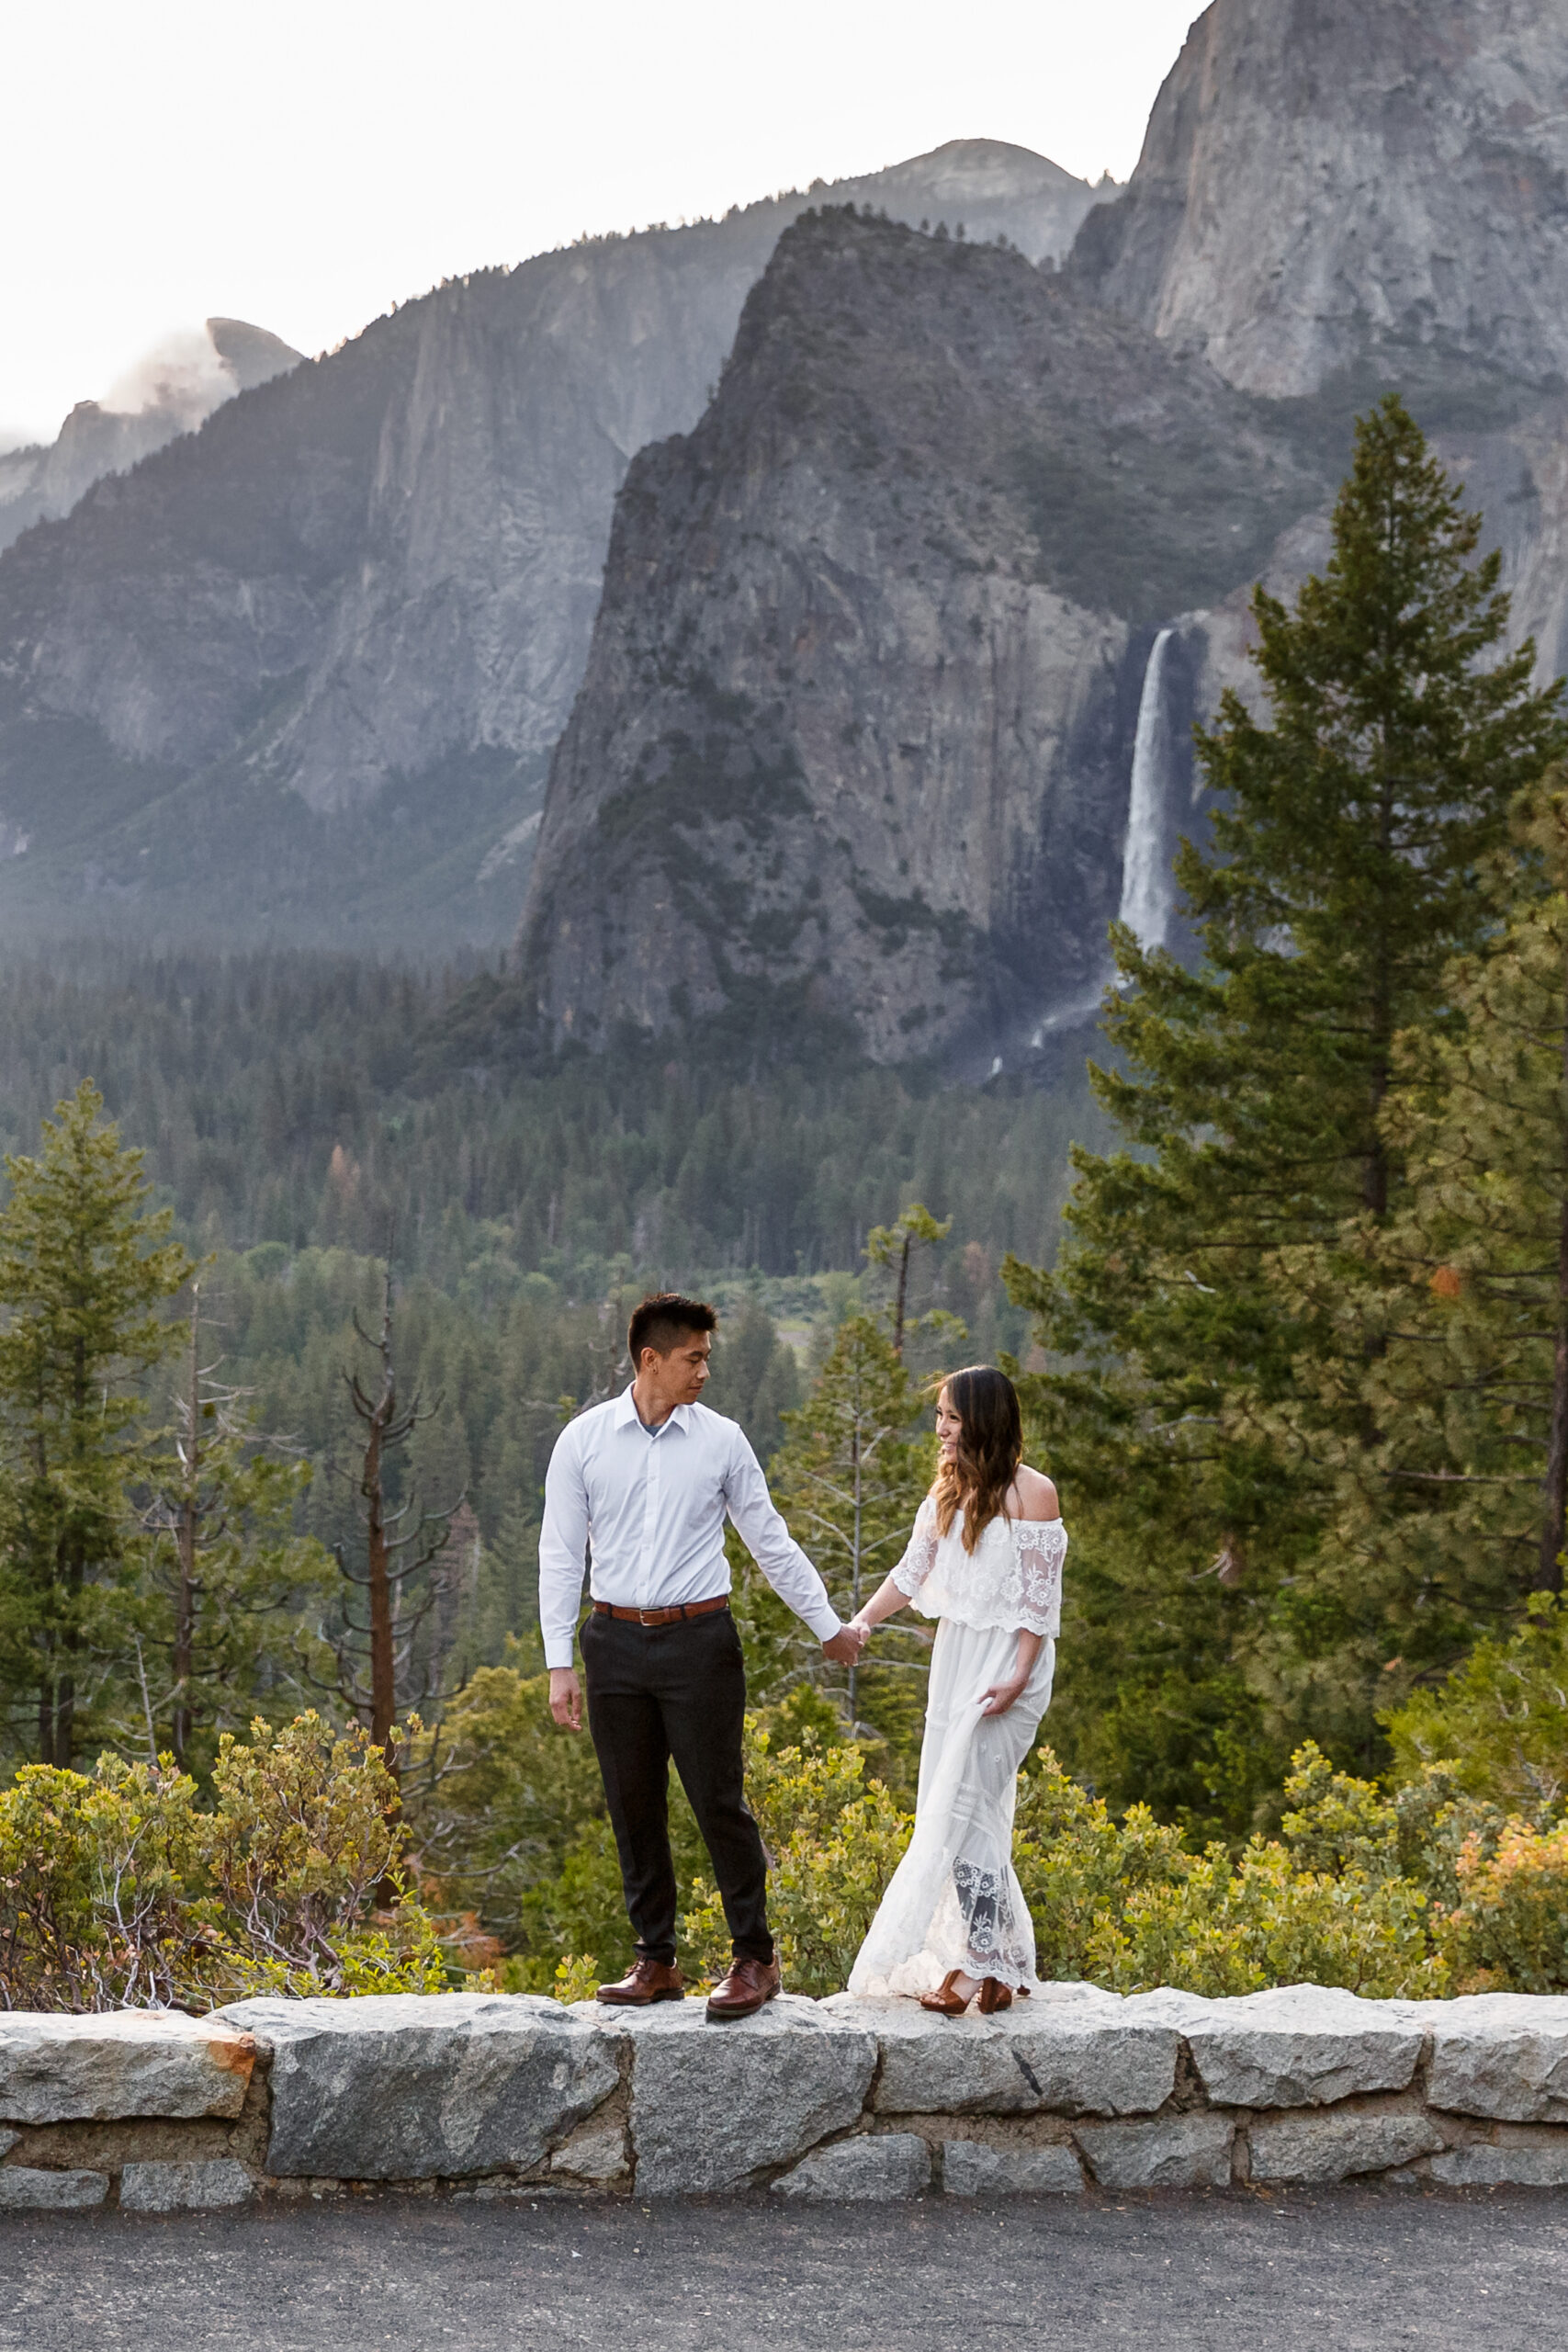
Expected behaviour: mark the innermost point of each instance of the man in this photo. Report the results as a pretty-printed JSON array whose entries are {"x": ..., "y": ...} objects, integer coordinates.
[{"x": 650, "y": 1477}]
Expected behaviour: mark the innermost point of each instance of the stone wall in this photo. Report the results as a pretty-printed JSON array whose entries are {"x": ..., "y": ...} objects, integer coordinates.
[{"x": 492, "y": 2096}]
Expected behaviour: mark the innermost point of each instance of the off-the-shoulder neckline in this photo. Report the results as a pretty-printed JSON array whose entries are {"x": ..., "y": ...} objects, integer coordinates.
[{"x": 1006, "y": 1519}]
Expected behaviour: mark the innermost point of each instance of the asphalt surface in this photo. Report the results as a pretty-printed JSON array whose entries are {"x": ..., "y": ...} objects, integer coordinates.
[{"x": 1333, "y": 2270}]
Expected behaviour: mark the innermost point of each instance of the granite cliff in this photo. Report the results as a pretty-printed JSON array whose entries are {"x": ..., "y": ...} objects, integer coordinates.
[
  {"x": 854, "y": 739},
  {"x": 173, "y": 389},
  {"x": 889, "y": 703},
  {"x": 1360, "y": 185},
  {"x": 1333, "y": 198},
  {"x": 298, "y": 675}
]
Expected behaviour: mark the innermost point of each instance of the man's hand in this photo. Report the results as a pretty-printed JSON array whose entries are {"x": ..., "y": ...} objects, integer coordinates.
[
  {"x": 846, "y": 1644},
  {"x": 566, "y": 1698}
]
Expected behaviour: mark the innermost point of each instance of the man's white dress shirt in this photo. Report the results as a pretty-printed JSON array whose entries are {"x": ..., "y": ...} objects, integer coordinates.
[{"x": 653, "y": 1502}]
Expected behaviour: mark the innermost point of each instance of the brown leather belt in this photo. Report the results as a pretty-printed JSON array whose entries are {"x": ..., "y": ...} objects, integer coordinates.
[{"x": 661, "y": 1616}]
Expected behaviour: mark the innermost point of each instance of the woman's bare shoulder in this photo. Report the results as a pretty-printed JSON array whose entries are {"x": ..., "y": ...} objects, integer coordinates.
[{"x": 1036, "y": 1494}]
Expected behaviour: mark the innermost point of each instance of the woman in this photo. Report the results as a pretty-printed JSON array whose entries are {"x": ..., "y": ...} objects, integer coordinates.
[{"x": 985, "y": 1560}]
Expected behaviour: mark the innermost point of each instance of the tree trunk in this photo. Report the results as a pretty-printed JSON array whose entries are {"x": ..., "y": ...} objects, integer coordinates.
[
  {"x": 185, "y": 1536},
  {"x": 903, "y": 1294},
  {"x": 46, "y": 1722},
  {"x": 1374, "y": 1168},
  {"x": 854, "y": 1554},
  {"x": 1548, "y": 1575},
  {"x": 383, "y": 1676}
]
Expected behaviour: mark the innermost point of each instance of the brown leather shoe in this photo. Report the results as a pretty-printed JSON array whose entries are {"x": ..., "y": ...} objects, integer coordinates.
[
  {"x": 647, "y": 1981},
  {"x": 742, "y": 1993}
]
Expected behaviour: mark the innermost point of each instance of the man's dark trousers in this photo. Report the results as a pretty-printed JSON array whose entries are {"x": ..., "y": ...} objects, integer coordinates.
[{"x": 658, "y": 1691}]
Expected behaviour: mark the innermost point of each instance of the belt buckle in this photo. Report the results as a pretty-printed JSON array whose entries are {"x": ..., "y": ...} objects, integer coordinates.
[{"x": 647, "y": 1618}]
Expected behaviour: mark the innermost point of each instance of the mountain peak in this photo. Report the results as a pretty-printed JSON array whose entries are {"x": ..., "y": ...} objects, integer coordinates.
[{"x": 1322, "y": 181}]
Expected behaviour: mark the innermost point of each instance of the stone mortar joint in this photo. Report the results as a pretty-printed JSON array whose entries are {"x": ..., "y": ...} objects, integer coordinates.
[{"x": 487, "y": 2096}]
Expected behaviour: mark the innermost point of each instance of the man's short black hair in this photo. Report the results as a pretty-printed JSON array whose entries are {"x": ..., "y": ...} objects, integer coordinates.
[{"x": 663, "y": 1321}]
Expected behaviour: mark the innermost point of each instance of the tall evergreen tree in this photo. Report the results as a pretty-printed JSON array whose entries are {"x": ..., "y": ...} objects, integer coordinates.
[
  {"x": 1351, "y": 832},
  {"x": 1458, "y": 1510},
  {"x": 85, "y": 1267},
  {"x": 225, "y": 1580},
  {"x": 849, "y": 1480}
]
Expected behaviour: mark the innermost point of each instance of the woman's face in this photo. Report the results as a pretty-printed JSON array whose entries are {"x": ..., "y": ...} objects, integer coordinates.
[{"x": 948, "y": 1429}]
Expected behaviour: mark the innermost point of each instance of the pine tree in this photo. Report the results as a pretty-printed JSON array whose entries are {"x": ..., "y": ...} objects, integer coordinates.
[
  {"x": 893, "y": 1245},
  {"x": 224, "y": 1578},
  {"x": 85, "y": 1266},
  {"x": 1350, "y": 835},
  {"x": 849, "y": 1480},
  {"x": 1457, "y": 1511}
]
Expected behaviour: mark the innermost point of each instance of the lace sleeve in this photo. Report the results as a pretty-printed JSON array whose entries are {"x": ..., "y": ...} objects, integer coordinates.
[
  {"x": 1040, "y": 1546},
  {"x": 920, "y": 1558}
]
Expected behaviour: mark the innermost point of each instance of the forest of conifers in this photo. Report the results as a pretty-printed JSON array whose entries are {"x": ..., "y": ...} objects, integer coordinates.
[{"x": 1284, "y": 1284}]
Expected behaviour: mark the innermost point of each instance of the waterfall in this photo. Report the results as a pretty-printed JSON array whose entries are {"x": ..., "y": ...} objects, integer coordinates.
[{"x": 1146, "y": 874}]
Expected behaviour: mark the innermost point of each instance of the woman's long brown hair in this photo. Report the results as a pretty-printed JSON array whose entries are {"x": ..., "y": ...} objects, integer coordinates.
[{"x": 990, "y": 1447}]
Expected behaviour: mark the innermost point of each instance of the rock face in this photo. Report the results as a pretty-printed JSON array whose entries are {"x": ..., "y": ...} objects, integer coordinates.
[
  {"x": 858, "y": 742},
  {"x": 841, "y": 2100},
  {"x": 712, "y": 2107},
  {"x": 132, "y": 2062},
  {"x": 176, "y": 386},
  {"x": 299, "y": 675},
  {"x": 1099, "y": 2056},
  {"x": 1316, "y": 2148},
  {"x": 864, "y": 2170},
  {"x": 856, "y": 733},
  {"x": 1500, "y": 2054},
  {"x": 400, "y": 2087},
  {"x": 969, "y": 2169},
  {"x": 185, "y": 2187},
  {"x": 1322, "y": 181},
  {"x": 1302, "y": 2046}
]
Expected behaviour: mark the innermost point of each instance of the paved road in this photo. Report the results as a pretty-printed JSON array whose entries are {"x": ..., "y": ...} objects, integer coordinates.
[{"x": 1333, "y": 2271}]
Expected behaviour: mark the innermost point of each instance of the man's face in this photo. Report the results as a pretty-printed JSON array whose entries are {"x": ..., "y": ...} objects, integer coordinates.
[{"x": 680, "y": 1377}]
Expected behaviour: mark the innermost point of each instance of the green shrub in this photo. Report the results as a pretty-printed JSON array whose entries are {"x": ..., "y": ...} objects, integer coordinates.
[
  {"x": 833, "y": 1839},
  {"x": 1499, "y": 1724},
  {"x": 1078, "y": 1866},
  {"x": 1234, "y": 1924},
  {"x": 1128, "y": 1905},
  {"x": 495, "y": 1796},
  {"x": 116, "y": 1890},
  {"x": 99, "y": 1879},
  {"x": 303, "y": 1835},
  {"x": 1509, "y": 1931}
]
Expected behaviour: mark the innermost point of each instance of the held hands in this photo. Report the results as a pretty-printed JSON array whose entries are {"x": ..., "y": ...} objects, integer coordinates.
[
  {"x": 847, "y": 1642},
  {"x": 566, "y": 1698}
]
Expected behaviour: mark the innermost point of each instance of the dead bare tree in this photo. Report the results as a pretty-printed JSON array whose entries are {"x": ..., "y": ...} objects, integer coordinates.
[{"x": 375, "y": 1655}]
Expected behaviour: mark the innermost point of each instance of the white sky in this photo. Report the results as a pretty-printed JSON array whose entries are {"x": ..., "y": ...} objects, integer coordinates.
[{"x": 304, "y": 164}]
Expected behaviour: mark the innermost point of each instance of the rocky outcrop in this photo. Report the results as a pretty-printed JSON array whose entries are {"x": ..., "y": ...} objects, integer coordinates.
[
  {"x": 300, "y": 675},
  {"x": 1332, "y": 199},
  {"x": 711, "y": 2110},
  {"x": 383, "y": 2089},
  {"x": 855, "y": 734},
  {"x": 854, "y": 2101},
  {"x": 169, "y": 393},
  {"x": 1326, "y": 185},
  {"x": 132, "y": 2061}
]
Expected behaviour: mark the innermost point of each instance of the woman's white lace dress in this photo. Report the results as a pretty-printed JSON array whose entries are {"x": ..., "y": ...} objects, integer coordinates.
[{"x": 954, "y": 1900}]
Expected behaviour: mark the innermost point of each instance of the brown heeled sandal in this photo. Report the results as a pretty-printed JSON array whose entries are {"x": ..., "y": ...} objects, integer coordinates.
[
  {"x": 944, "y": 2000},
  {"x": 993, "y": 1995}
]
